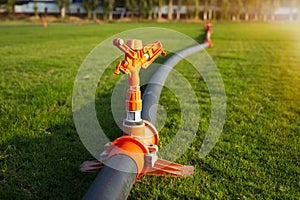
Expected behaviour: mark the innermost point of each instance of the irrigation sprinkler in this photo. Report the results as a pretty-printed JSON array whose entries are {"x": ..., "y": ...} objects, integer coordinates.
[
  {"x": 208, "y": 32},
  {"x": 135, "y": 152}
]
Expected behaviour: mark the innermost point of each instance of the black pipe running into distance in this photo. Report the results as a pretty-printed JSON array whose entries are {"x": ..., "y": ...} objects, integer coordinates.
[{"x": 153, "y": 90}]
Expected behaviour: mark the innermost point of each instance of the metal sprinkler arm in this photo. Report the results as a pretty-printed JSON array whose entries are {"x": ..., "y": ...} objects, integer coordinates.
[
  {"x": 123, "y": 47},
  {"x": 136, "y": 54}
]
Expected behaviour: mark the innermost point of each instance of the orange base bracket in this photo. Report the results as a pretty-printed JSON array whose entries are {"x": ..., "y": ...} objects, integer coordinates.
[
  {"x": 164, "y": 167},
  {"x": 91, "y": 166},
  {"x": 160, "y": 168}
]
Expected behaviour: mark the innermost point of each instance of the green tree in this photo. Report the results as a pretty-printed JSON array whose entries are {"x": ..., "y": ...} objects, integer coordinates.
[
  {"x": 238, "y": 8},
  {"x": 266, "y": 9},
  {"x": 275, "y": 5},
  {"x": 249, "y": 5},
  {"x": 150, "y": 9},
  {"x": 225, "y": 9},
  {"x": 10, "y": 6},
  {"x": 160, "y": 4},
  {"x": 90, "y": 6},
  {"x": 257, "y": 9},
  {"x": 144, "y": 8},
  {"x": 131, "y": 6},
  {"x": 108, "y": 6},
  {"x": 35, "y": 8},
  {"x": 212, "y": 9},
  {"x": 62, "y": 5}
]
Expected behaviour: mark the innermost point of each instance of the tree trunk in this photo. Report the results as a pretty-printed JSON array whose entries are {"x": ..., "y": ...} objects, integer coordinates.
[
  {"x": 273, "y": 17},
  {"x": 291, "y": 15},
  {"x": 150, "y": 12},
  {"x": 110, "y": 16},
  {"x": 170, "y": 10},
  {"x": 210, "y": 14},
  {"x": 247, "y": 16},
  {"x": 63, "y": 12},
  {"x": 238, "y": 16},
  {"x": 196, "y": 9},
  {"x": 178, "y": 10},
  {"x": 35, "y": 9},
  {"x": 214, "y": 14},
  {"x": 89, "y": 14},
  {"x": 221, "y": 15},
  {"x": 265, "y": 17},
  {"x": 159, "y": 12},
  {"x": 225, "y": 9},
  {"x": 150, "y": 9},
  {"x": 205, "y": 11},
  {"x": 94, "y": 15},
  {"x": 154, "y": 13},
  {"x": 10, "y": 6}
]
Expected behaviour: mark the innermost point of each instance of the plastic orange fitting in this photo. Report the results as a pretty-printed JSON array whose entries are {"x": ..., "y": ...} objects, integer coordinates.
[
  {"x": 209, "y": 42},
  {"x": 145, "y": 132},
  {"x": 131, "y": 147},
  {"x": 133, "y": 99}
]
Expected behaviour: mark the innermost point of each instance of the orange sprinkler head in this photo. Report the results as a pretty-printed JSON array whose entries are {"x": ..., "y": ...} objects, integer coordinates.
[{"x": 137, "y": 55}]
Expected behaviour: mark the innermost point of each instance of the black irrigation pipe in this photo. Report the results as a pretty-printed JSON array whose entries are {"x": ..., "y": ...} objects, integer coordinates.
[
  {"x": 113, "y": 182},
  {"x": 153, "y": 90}
]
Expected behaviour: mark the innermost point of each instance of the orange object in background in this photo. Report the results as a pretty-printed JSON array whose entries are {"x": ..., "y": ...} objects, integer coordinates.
[
  {"x": 208, "y": 32},
  {"x": 45, "y": 22}
]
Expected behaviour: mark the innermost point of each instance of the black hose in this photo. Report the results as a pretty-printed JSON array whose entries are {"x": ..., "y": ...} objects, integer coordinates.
[
  {"x": 114, "y": 181},
  {"x": 152, "y": 93}
]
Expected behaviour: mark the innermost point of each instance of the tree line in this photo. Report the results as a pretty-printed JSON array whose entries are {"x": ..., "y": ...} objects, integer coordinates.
[{"x": 256, "y": 10}]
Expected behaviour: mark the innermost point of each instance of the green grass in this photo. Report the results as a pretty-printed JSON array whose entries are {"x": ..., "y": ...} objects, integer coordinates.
[{"x": 257, "y": 156}]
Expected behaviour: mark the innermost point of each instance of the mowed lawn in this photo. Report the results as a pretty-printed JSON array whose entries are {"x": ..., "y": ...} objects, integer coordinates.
[{"x": 256, "y": 157}]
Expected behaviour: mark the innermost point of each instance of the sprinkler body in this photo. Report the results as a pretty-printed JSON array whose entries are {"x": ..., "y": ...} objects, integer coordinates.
[{"x": 140, "y": 137}]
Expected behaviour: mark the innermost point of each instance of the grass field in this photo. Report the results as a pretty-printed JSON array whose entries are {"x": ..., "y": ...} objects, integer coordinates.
[{"x": 257, "y": 156}]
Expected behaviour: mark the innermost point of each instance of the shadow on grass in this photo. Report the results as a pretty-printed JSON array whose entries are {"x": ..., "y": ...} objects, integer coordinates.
[
  {"x": 44, "y": 167},
  {"x": 45, "y": 164}
]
